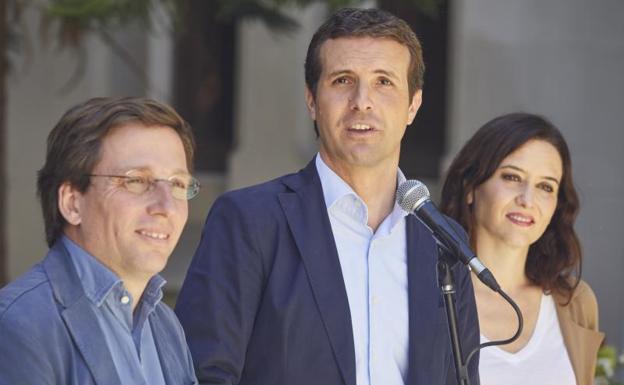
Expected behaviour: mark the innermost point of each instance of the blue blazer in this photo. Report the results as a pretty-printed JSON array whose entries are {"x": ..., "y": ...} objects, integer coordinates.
[
  {"x": 264, "y": 301},
  {"x": 49, "y": 333}
]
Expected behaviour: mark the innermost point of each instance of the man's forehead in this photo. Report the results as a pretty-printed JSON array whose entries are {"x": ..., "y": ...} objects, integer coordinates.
[
  {"x": 345, "y": 52},
  {"x": 142, "y": 147},
  {"x": 358, "y": 41}
]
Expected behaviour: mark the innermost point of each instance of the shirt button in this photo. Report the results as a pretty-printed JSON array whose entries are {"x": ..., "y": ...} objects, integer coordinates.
[
  {"x": 375, "y": 300},
  {"x": 125, "y": 299}
]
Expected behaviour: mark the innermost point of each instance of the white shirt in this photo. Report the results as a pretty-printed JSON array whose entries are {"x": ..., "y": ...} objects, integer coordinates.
[
  {"x": 374, "y": 269},
  {"x": 543, "y": 361}
]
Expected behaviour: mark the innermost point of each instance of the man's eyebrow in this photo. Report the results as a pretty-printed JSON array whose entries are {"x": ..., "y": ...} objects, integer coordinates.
[
  {"x": 146, "y": 169},
  {"x": 390, "y": 74},
  {"x": 511, "y": 166},
  {"x": 340, "y": 72},
  {"x": 380, "y": 71}
]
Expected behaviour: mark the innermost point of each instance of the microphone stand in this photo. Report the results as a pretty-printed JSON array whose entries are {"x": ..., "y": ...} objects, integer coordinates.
[{"x": 447, "y": 287}]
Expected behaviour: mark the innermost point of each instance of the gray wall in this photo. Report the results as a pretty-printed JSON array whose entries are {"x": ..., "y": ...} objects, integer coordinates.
[
  {"x": 36, "y": 98},
  {"x": 563, "y": 59}
]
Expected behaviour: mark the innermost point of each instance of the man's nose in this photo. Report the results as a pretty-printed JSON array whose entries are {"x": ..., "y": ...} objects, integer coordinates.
[
  {"x": 360, "y": 98},
  {"x": 163, "y": 200}
]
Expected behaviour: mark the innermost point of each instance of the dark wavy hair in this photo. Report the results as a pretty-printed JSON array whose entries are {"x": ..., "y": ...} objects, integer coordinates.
[
  {"x": 554, "y": 260},
  {"x": 74, "y": 145}
]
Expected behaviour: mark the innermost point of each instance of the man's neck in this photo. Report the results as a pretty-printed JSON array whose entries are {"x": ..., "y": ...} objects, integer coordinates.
[
  {"x": 134, "y": 285},
  {"x": 376, "y": 186}
]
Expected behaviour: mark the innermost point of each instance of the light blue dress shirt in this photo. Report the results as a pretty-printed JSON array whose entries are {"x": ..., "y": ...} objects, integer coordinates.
[
  {"x": 128, "y": 336},
  {"x": 374, "y": 269}
]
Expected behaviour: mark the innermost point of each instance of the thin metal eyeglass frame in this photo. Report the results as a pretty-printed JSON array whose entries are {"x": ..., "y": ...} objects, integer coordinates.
[{"x": 191, "y": 192}]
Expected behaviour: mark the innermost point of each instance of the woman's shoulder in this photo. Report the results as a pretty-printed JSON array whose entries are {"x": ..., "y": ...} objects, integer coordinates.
[
  {"x": 584, "y": 295},
  {"x": 582, "y": 307}
]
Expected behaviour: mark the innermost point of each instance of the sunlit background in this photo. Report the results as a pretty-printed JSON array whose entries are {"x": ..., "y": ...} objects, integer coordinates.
[{"x": 234, "y": 69}]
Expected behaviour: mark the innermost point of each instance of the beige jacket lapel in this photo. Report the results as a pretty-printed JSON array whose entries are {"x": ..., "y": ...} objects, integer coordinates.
[{"x": 579, "y": 326}]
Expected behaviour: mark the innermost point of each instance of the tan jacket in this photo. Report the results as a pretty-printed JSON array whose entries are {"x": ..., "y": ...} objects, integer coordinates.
[{"x": 579, "y": 326}]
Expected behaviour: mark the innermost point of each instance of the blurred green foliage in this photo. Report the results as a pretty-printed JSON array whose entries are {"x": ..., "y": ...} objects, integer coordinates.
[
  {"x": 76, "y": 17},
  {"x": 65, "y": 23},
  {"x": 607, "y": 366}
]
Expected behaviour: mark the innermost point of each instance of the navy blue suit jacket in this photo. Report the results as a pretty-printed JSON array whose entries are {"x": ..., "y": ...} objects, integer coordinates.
[{"x": 264, "y": 301}]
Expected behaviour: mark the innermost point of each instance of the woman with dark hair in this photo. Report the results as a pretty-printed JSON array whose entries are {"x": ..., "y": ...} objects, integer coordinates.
[{"x": 511, "y": 188}]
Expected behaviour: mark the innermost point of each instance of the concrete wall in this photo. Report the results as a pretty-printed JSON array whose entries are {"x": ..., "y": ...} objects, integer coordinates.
[
  {"x": 37, "y": 96},
  {"x": 274, "y": 133},
  {"x": 562, "y": 59}
]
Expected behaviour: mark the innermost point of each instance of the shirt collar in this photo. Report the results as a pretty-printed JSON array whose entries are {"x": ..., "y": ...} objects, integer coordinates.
[
  {"x": 335, "y": 188},
  {"x": 98, "y": 282},
  {"x": 153, "y": 291}
]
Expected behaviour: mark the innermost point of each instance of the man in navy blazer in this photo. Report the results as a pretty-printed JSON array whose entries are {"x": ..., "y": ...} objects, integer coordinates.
[
  {"x": 318, "y": 277},
  {"x": 114, "y": 193}
]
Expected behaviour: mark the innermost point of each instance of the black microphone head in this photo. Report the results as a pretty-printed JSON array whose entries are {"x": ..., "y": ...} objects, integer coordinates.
[{"x": 411, "y": 194}]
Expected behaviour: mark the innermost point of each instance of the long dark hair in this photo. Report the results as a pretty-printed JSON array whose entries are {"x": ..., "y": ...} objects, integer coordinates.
[{"x": 554, "y": 260}]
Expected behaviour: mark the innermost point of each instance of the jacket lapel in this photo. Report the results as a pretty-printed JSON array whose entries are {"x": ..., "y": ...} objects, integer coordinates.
[
  {"x": 88, "y": 337},
  {"x": 307, "y": 218},
  {"x": 424, "y": 301},
  {"x": 79, "y": 317},
  {"x": 171, "y": 361},
  {"x": 581, "y": 343}
]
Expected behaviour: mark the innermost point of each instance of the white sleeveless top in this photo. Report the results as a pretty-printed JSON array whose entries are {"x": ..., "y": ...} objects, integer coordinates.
[{"x": 543, "y": 360}]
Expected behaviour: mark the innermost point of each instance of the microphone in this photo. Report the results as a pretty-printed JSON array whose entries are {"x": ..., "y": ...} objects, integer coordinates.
[{"x": 413, "y": 197}]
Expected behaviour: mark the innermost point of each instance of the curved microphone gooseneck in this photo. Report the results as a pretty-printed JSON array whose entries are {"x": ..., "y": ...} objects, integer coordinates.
[{"x": 413, "y": 197}]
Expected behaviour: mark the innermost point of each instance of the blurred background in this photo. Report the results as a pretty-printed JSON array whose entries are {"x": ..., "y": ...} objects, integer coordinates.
[{"x": 234, "y": 70}]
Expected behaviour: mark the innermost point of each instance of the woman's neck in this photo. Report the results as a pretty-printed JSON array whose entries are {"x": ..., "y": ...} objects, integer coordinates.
[{"x": 506, "y": 263}]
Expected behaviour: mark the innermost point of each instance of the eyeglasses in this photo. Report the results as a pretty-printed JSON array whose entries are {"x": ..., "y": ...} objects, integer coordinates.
[{"x": 182, "y": 186}]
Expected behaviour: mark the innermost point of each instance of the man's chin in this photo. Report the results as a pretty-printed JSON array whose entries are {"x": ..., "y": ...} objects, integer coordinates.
[
  {"x": 153, "y": 263},
  {"x": 367, "y": 158}
]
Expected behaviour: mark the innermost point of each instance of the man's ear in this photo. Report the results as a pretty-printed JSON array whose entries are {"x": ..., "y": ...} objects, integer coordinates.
[
  {"x": 414, "y": 106},
  {"x": 69, "y": 202},
  {"x": 310, "y": 103}
]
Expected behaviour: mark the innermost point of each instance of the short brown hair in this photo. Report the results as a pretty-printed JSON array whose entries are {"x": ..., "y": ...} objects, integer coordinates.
[
  {"x": 354, "y": 22},
  {"x": 554, "y": 260},
  {"x": 73, "y": 148}
]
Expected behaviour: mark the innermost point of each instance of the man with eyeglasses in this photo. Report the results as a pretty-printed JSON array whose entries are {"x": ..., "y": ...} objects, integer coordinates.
[{"x": 114, "y": 191}]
